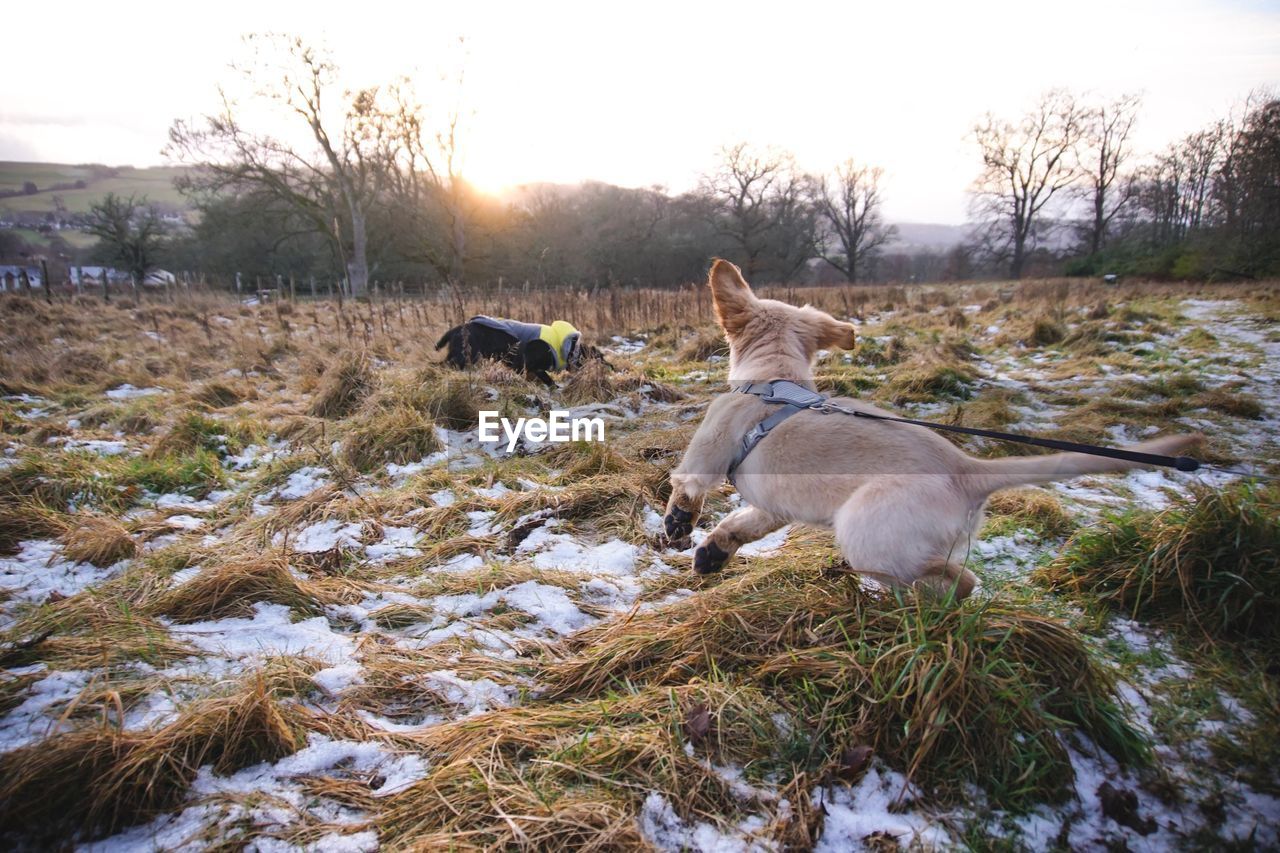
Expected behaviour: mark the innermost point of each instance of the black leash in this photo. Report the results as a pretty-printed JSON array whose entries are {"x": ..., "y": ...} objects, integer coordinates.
[
  {"x": 1181, "y": 463},
  {"x": 795, "y": 398}
]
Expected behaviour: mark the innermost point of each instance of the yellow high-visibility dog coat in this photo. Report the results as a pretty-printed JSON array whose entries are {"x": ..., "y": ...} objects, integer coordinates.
[{"x": 562, "y": 337}]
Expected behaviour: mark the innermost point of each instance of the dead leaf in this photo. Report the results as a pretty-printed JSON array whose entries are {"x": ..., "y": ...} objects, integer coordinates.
[
  {"x": 1121, "y": 805},
  {"x": 697, "y": 723},
  {"x": 854, "y": 761}
]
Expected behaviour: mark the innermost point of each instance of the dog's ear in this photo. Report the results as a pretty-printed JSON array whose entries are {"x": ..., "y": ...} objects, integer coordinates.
[
  {"x": 830, "y": 332},
  {"x": 733, "y": 299}
]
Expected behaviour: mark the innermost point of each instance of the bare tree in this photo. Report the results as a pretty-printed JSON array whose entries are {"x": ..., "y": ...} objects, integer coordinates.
[
  {"x": 1105, "y": 151},
  {"x": 131, "y": 232},
  {"x": 1176, "y": 190},
  {"x": 1245, "y": 186},
  {"x": 1024, "y": 165},
  {"x": 756, "y": 200},
  {"x": 439, "y": 207},
  {"x": 849, "y": 203},
  {"x": 332, "y": 184}
]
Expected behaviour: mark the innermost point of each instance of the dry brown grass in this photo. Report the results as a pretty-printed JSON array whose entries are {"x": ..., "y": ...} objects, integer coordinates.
[
  {"x": 702, "y": 343},
  {"x": 963, "y": 678},
  {"x": 398, "y": 435},
  {"x": 454, "y": 401},
  {"x": 572, "y": 775},
  {"x": 231, "y": 589},
  {"x": 1034, "y": 508},
  {"x": 98, "y": 539},
  {"x": 345, "y": 383},
  {"x": 26, "y": 518},
  {"x": 596, "y": 382},
  {"x": 928, "y": 376},
  {"x": 218, "y": 394},
  {"x": 589, "y": 384},
  {"x": 1045, "y": 331},
  {"x": 972, "y": 695},
  {"x": 98, "y": 780}
]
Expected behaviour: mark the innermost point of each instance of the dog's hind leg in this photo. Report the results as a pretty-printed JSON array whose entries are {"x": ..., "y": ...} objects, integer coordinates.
[
  {"x": 904, "y": 529},
  {"x": 943, "y": 578},
  {"x": 737, "y": 529},
  {"x": 455, "y": 339}
]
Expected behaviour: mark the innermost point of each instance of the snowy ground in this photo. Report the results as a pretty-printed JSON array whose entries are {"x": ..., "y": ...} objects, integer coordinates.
[{"x": 578, "y": 577}]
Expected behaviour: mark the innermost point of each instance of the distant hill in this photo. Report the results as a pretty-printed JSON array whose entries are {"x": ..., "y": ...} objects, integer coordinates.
[
  {"x": 79, "y": 186},
  {"x": 927, "y": 236}
]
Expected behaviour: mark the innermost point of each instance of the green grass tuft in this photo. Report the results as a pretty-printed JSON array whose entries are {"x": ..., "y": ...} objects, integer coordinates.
[
  {"x": 1210, "y": 562},
  {"x": 950, "y": 695}
]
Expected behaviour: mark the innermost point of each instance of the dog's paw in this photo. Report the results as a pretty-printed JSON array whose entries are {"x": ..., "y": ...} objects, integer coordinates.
[
  {"x": 678, "y": 524},
  {"x": 709, "y": 558}
]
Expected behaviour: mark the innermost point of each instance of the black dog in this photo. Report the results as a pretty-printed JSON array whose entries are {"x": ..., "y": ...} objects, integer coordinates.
[{"x": 528, "y": 348}]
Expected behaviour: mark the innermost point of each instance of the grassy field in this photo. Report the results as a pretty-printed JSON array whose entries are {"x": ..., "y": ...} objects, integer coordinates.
[
  {"x": 260, "y": 584},
  {"x": 156, "y": 183},
  {"x": 77, "y": 239}
]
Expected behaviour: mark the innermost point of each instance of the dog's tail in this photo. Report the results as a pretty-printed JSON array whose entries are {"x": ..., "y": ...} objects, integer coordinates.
[
  {"x": 445, "y": 338},
  {"x": 990, "y": 475}
]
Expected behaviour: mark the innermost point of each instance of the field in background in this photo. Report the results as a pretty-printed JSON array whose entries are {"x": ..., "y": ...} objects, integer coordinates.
[
  {"x": 156, "y": 183},
  {"x": 259, "y": 583}
]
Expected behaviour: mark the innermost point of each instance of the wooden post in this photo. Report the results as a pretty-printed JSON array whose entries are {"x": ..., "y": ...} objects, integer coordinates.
[
  {"x": 238, "y": 286},
  {"x": 48, "y": 284},
  {"x": 79, "y": 280},
  {"x": 313, "y": 287}
]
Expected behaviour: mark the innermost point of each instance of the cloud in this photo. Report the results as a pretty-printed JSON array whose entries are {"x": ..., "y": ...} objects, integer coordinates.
[
  {"x": 76, "y": 120},
  {"x": 14, "y": 148}
]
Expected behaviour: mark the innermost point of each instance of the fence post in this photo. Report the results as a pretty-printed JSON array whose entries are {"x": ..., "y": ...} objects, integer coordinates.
[
  {"x": 48, "y": 284},
  {"x": 237, "y": 285},
  {"x": 313, "y": 287}
]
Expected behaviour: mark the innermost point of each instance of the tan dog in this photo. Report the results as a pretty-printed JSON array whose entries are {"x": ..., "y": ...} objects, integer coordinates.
[{"x": 903, "y": 501}]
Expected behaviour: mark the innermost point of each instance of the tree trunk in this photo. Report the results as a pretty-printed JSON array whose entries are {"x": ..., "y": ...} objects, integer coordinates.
[
  {"x": 853, "y": 267},
  {"x": 358, "y": 266},
  {"x": 1095, "y": 243},
  {"x": 1019, "y": 248},
  {"x": 459, "y": 247}
]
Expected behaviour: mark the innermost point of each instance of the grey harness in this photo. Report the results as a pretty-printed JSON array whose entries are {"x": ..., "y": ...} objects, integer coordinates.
[{"x": 791, "y": 399}]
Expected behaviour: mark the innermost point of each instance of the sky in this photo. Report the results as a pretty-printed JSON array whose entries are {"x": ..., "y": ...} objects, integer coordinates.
[{"x": 642, "y": 94}]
